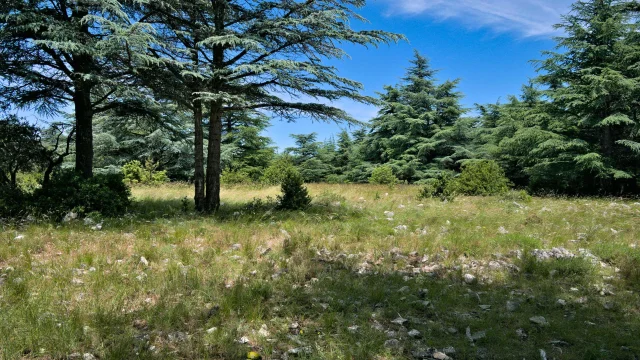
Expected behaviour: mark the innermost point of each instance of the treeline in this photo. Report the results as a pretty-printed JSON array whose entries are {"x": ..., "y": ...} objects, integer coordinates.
[
  {"x": 574, "y": 129},
  {"x": 188, "y": 88}
]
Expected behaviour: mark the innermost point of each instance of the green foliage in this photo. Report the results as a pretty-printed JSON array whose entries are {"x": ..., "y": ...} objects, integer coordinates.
[
  {"x": 481, "y": 178},
  {"x": 294, "y": 195},
  {"x": 383, "y": 175},
  {"x": 148, "y": 174},
  {"x": 336, "y": 179},
  {"x": 419, "y": 127},
  {"x": 20, "y": 149},
  {"x": 235, "y": 178},
  {"x": 518, "y": 196},
  {"x": 14, "y": 202},
  {"x": 276, "y": 172},
  {"x": 67, "y": 191},
  {"x": 442, "y": 187}
]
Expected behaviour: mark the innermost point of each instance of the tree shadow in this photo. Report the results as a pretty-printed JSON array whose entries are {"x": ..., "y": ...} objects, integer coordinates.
[{"x": 321, "y": 305}]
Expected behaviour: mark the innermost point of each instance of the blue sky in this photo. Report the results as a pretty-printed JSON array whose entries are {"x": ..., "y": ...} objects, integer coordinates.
[{"x": 486, "y": 43}]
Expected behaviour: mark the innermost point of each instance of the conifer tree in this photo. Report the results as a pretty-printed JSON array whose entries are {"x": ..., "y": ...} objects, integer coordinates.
[
  {"x": 407, "y": 134},
  {"x": 252, "y": 53},
  {"x": 593, "y": 85},
  {"x": 82, "y": 53}
]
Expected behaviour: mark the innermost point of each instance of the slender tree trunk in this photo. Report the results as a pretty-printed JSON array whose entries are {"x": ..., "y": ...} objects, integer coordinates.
[
  {"x": 214, "y": 170},
  {"x": 84, "y": 132},
  {"x": 198, "y": 177},
  {"x": 213, "y": 159},
  {"x": 14, "y": 180}
]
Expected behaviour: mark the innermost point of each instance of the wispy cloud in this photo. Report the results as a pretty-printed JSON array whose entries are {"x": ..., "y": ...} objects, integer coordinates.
[{"x": 526, "y": 17}]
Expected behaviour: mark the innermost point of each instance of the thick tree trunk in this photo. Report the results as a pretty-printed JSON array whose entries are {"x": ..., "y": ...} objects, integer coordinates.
[
  {"x": 198, "y": 177},
  {"x": 213, "y": 159},
  {"x": 84, "y": 132}
]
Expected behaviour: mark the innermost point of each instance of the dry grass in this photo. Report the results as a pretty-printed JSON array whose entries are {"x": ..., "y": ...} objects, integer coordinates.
[{"x": 69, "y": 289}]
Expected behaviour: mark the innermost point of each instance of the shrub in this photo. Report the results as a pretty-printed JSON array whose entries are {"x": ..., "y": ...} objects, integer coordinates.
[
  {"x": 294, "y": 195},
  {"x": 383, "y": 175},
  {"x": 235, "y": 178},
  {"x": 482, "y": 178},
  {"x": 443, "y": 187},
  {"x": 329, "y": 198},
  {"x": 517, "y": 195},
  {"x": 135, "y": 173},
  {"x": 275, "y": 173},
  {"x": 67, "y": 191},
  {"x": 336, "y": 179},
  {"x": 13, "y": 202}
]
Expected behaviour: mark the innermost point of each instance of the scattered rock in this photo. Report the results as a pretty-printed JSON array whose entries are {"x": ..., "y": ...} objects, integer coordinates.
[
  {"x": 512, "y": 306},
  {"x": 97, "y": 227},
  {"x": 469, "y": 279},
  {"x": 415, "y": 334},
  {"x": 212, "y": 330},
  {"x": 144, "y": 261},
  {"x": 522, "y": 334},
  {"x": 562, "y": 302},
  {"x": 177, "y": 337},
  {"x": 236, "y": 247},
  {"x": 502, "y": 231},
  {"x": 294, "y": 328},
  {"x": 440, "y": 356},
  {"x": 392, "y": 344},
  {"x": 543, "y": 354},
  {"x": 140, "y": 324},
  {"x": 19, "y": 237},
  {"x": 353, "y": 329},
  {"x": 401, "y": 228},
  {"x": 539, "y": 320},
  {"x": 264, "y": 331},
  {"x": 400, "y": 321},
  {"x": 88, "y": 356},
  {"x": 485, "y": 307},
  {"x": 244, "y": 340},
  {"x": 299, "y": 351},
  {"x": 555, "y": 253},
  {"x": 475, "y": 337},
  {"x": 609, "y": 305},
  {"x": 70, "y": 217}
]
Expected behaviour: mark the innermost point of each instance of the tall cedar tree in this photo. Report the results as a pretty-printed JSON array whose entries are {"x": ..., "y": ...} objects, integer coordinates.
[
  {"x": 59, "y": 52},
  {"x": 593, "y": 85},
  {"x": 406, "y": 134},
  {"x": 262, "y": 55}
]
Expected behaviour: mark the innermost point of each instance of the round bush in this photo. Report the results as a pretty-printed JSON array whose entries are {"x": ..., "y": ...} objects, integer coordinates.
[{"x": 383, "y": 175}]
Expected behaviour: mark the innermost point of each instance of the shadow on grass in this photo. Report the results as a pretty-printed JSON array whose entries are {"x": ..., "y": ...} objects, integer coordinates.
[{"x": 345, "y": 314}]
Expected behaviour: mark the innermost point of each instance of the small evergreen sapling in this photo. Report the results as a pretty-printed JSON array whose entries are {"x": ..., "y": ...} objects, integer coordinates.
[{"x": 294, "y": 195}]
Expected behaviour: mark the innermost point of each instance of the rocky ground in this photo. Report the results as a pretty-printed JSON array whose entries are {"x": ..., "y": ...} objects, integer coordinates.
[{"x": 366, "y": 273}]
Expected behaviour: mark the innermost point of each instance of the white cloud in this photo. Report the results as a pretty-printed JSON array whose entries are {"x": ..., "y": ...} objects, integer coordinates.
[{"x": 526, "y": 17}]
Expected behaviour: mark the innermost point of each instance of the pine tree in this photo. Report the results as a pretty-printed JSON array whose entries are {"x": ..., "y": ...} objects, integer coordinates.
[
  {"x": 593, "y": 86},
  {"x": 408, "y": 132},
  {"x": 61, "y": 52}
]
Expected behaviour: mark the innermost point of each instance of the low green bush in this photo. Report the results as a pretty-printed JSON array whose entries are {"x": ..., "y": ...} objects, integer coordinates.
[
  {"x": 276, "y": 172},
  {"x": 482, "y": 178},
  {"x": 235, "y": 178},
  {"x": 67, "y": 191},
  {"x": 517, "y": 195},
  {"x": 443, "y": 187},
  {"x": 14, "y": 202},
  {"x": 135, "y": 173},
  {"x": 294, "y": 195},
  {"x": 383, "y": 175}
]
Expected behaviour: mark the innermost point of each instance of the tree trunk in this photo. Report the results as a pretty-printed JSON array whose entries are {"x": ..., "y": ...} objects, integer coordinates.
[
  {"x": 14, "y": 180},
  {"x": 198, "y": 177},
  {"x": 84, "y": 132},
  {"x": 213, "y": 159}
]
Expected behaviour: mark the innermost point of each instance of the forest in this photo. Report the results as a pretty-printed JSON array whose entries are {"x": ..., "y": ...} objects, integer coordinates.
[
  {"x": 168, "y": 87},
  {"x": 147, "y": 213}
]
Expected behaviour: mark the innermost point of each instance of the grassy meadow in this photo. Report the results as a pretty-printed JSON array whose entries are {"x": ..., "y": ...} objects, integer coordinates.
[{"x": 368, "y": 272}]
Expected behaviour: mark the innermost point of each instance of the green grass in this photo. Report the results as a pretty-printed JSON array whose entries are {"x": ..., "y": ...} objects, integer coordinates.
[{"x": 68, "y": 289}]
